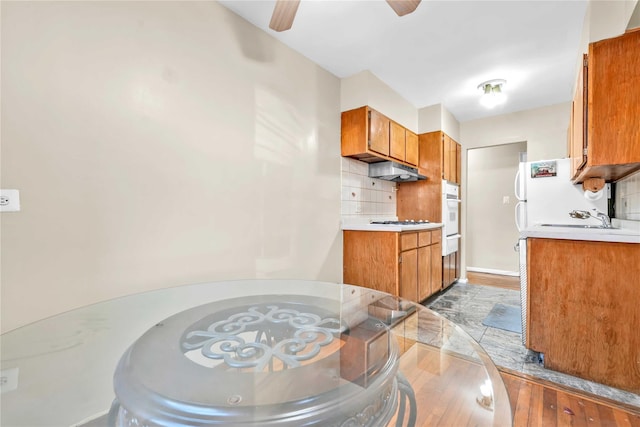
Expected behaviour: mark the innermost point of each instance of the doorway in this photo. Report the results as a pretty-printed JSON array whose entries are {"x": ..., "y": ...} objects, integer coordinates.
[{"x": 490, "y": 220}]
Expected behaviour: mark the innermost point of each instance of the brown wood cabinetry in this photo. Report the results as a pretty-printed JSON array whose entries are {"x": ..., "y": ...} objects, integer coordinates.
[
  {"x": 450, "y": 269},
  {"x": 436, "y": 262},
  {"x": 451, "y": 159},
  {"x": 405, "y": 264},
  {"x": 370, "y": 136},
  {"x": 604, "y": 135},
  {"x": 577, "y": 130},
  {"x": 583, "y": 309},
  {"x": 439, "y": 158},
  {"x": 412, "y": 147},
  {"x": 379, "y": 129},
  {"x": 423, "y": 199}
]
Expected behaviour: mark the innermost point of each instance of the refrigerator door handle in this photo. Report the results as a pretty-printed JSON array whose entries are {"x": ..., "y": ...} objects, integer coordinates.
[
  {"x": 516, "y": 186},
  {"x": 518, "y": 209}
]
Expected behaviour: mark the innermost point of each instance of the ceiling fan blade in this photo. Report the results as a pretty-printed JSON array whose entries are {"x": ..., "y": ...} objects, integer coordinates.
[
  {"x": 283, "y": 14},
  {"x": 403, "y": 7}
]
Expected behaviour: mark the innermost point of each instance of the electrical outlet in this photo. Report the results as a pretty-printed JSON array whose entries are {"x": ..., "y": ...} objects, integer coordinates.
[
  {"x": 505, "y": 200},
  {"x": 9, "y": 201},
  {"x": 8, "y": 380}
]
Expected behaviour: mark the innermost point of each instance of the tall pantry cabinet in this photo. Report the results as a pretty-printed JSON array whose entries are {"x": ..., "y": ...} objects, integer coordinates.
[{"x": 439, "y": 158}]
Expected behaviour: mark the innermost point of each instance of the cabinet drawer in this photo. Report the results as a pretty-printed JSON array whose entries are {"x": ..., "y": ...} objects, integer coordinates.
[
  {"x": 424, "y": 238},
  {"x": 436, "y": 236},
  {"x": 408, "y": 241}
]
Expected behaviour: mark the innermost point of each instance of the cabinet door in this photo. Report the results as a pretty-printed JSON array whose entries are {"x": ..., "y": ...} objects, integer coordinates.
[
  {"x": 370, "y": 259},
  {"x": 436, "y": 267},
  {"x": 411, "y": 144},
  {"x": 409, "y": 275},
  {"x": 578, "y": 131},
  {"x": 448, "y": 269},
  {"x": 458, "y": 163},
  {"x": 446, "y": 158},
  {"x": 453, "y": 164},
  {"x": 397, "y": 148},
  {"x": 378, "y": 133},
  {"x": 614, "y": 101},
  {"x": 424, "y": 273}
]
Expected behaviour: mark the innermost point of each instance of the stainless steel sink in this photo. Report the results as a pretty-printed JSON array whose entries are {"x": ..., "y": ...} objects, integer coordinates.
[{"x": 597, "y": 227}]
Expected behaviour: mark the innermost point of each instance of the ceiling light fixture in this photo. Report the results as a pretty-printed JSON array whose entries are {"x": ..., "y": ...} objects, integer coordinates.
[{"x": 492, "y": 94}]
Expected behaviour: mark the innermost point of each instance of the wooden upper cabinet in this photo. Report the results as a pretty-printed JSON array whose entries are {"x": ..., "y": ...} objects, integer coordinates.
[
  {"x": 451, "y": 162},
  {"x": 577, "y": 129},
  {"x": 370, "y": 136},
  {"x": 411, "y": 147},
  {"x": 612, "y": 98},
  {"x": 446, "y": 158},
  {"x": 379, "y": 128},
  {"x": 439, "y": 157},
  {"x": 458, "y": 163},
  {"x": 397, "y": 147}
]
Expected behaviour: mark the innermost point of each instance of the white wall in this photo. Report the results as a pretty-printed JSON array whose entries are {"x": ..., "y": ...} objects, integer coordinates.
[
  {"x": 157, "y": 144},
  {"x": 436, "y": 117},
  {"x": 365, "y": 88},
  {"x": 544, "y": 129},
  {"x": 606, "y": 18},
  {"x": 545, "y": 132}
]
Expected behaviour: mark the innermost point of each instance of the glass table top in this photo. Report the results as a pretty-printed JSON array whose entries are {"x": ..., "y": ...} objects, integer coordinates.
[{"x": 254, "y": 352}]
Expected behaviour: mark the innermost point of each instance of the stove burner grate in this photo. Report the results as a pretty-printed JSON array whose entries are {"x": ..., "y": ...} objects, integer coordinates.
[{"x": 406, "y": 222}]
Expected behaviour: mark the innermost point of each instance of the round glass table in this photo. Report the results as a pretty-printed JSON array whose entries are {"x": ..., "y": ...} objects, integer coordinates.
[{"x": 249, "y": 353}]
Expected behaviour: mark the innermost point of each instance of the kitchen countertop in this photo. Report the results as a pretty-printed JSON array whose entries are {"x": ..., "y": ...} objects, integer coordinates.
[
  {"x": 624, "y": 232},
  {"x": 390, "y": 227}
]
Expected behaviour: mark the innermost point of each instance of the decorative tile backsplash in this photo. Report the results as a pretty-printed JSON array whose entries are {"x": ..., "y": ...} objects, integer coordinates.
[
  {"x": 627, "y": 203},
  {"x": 365, "y": 198}
]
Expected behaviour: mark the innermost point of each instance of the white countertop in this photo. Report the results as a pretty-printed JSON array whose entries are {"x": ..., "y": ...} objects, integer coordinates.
[
  {"x": 390, "y": 227},
  {"x": 624, "y": 232}
]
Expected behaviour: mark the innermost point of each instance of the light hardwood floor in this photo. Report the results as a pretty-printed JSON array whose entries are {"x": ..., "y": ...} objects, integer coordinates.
[
  {"x": 538, "y": 403},
  {"x": 499, "y": 281}
]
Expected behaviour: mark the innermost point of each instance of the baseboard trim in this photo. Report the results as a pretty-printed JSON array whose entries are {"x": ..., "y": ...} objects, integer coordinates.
[{"x": 493, "y": 271}]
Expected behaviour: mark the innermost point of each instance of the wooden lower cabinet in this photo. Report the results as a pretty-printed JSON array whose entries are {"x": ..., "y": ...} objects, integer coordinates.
[
  {"x": 582, "y": 310},
  {"x": 450, "y": 269},
  {"x": 436, "y": 262},
  {"x": 408, "y": 263},
  {"x": 405, "y": 264}
]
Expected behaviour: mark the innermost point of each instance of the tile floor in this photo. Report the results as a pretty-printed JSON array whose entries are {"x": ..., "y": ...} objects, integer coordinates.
[{"x": 467, "y": 305}]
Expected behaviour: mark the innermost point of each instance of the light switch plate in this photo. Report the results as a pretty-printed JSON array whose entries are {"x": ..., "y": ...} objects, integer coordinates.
[
  {"x": 9, "y": 201},
  {"x": 8, "y": 380}
]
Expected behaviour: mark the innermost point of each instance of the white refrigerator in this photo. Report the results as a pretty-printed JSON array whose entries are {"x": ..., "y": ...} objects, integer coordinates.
[{"x": 546, "y": 195}]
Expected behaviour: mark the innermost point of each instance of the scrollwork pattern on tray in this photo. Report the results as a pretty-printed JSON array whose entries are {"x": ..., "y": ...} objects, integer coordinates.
[{"x": 222, "y": 340}]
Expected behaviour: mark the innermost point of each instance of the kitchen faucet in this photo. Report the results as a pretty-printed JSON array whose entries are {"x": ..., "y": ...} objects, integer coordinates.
[{"x": 606, "y": 221}]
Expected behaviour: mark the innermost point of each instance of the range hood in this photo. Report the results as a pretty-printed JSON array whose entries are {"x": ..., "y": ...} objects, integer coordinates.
[{"x": 396, "y": 172}]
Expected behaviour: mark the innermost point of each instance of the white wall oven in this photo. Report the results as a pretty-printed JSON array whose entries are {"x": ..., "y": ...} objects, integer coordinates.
[{"x": 450, "y": 217}]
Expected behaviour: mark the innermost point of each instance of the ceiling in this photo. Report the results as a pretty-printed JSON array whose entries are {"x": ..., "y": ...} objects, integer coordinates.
[{"x": 440, "y": 53}]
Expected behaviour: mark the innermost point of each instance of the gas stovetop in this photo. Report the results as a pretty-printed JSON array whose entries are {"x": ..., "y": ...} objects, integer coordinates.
[{"x": 405, "y": 222}]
